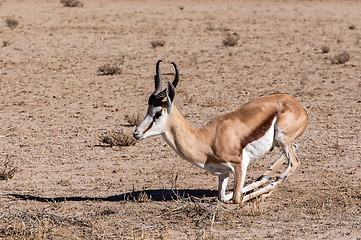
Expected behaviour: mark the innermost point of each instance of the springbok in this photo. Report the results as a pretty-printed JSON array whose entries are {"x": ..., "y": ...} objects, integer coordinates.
[{"x": 232, "y": 141}]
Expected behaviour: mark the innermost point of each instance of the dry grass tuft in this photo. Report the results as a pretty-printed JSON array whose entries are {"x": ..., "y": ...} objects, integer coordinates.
[
  {"x": 352, "y": 27},
  {"x": 64, "y": 182},
  {"x": 109, "y": 69},
  {"x": 340, "y": 58},
  {"x": 158, "y": 43},
  {"x": 7, "y": 170},
  {"x": 71, "y": 3},
  {"x": 255, "y": 207},
  {"x": 19, "y": 224},
  {"x": 133, "y": 119},
  {"x": 118, "y": 138},
  {"x": 142, "y": 197},
  {"x": 11, "y": 22},
  {"x": 6, "y": 43},
  {"x": 325, "y": 49},
  {"x": 231, "y": 39},
  {"x": 201, "y": 212}
]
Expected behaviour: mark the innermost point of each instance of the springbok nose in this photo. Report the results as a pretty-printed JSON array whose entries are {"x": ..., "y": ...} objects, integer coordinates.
[{"x": 136, "y": 133}]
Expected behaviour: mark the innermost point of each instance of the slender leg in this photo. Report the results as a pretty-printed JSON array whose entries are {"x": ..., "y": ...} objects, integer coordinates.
[
  {"x": 237, "y": 187},
  {"x": 240, "y": 177},
  {"x": 266, "y": 176},
  {"x": 293, "y": 163},
  {"x": 222, "y": 185}
]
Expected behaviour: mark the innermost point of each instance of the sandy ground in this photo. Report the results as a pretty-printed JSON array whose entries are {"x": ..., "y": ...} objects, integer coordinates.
[{"x": 55, "y": 106}]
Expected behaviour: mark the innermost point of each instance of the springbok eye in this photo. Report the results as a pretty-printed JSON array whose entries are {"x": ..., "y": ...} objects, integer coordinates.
[{"x": 157, "y": 115}]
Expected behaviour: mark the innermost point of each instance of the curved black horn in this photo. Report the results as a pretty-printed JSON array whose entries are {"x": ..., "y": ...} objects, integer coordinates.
[
  {"x": 160, "y": 93},
  {"x": 176, "y": 78},
  {"x": 158, "y": 86}
]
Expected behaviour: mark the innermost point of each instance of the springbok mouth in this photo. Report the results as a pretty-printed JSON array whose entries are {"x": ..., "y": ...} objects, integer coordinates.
[{"x": 136, "y": 136}]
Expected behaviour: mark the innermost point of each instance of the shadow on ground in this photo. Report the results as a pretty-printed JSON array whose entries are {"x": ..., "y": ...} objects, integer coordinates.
[{"x": 154, "y": 195}]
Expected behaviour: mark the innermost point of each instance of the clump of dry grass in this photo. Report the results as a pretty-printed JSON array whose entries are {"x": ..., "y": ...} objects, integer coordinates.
[
  {"x": 7, "y": 170},
  {"x": 255, "y": 207},
  {"x": 71, "y": 3},
  {"x": 64, "y": 182},
  {"x": 231, "y": 39},
  {"x": 6, "y": 43},
  {"x": 11, "y": 22},
  {"x": 133, "y": 119},
  {"x": 340, "y": 58},
  {"x": 325, "y": 49},
  {"x": 202, "y": 212},
  {"x": 352, "y": 27},
  {"x": 19, "y": 224},
  {"x": 109, "y": 69},
  {"x": 142, "y": 197},
  {"x": 158, "y": 43},
  {"x": 118, "y": 138}
]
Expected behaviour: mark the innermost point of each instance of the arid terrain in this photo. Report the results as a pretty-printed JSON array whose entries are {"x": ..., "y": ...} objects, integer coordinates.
[{"x": 57, "y": 107}]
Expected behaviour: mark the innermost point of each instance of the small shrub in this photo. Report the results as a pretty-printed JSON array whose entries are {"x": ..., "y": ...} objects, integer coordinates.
[
  {"x": 64, "y": 182},
  {"x": 109, "y": 69},
  {"x": 7, "y": 170},
  {"x": 231, "y": 40},
  {"x": 11, "y": 22},
  {"x": 142, "y": 197},
  {"x": 352, "y": 27},
  {"x": 158, "y": 43},
  {"x": 255, "y": 207},
  {"x": 118, "y": 138},
  {"x": 325, "y": 49},
  {"x": 134, "y": 119},
  {"x": 71, "y": 3},
  {"x": 6, "y": 43},
  {"x": 341, "y": 58}
]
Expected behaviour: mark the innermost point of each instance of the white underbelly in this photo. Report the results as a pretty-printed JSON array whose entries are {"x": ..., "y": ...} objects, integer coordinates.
[
  {"x": 218, "y": 168},
  {"x": 261, "y": 146}
]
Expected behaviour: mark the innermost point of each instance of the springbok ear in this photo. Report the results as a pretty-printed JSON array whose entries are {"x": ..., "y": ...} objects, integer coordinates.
[{"x": 170, "y": 96}]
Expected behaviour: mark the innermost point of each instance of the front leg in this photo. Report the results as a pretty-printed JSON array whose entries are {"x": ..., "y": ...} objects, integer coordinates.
[
  {"x": 222, "y": 186},
  {"x": 240, "y": 171}
]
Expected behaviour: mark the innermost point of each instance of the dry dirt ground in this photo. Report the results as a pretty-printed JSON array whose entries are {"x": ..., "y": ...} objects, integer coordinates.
[{"x": 55, "y": 107}]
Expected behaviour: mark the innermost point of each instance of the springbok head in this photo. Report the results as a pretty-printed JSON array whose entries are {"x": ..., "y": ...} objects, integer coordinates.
[{"x": 160, "y": 105}]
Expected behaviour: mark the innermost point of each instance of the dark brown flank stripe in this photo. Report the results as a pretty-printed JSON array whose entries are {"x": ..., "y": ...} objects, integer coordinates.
[{"x": 259, "y": 132}]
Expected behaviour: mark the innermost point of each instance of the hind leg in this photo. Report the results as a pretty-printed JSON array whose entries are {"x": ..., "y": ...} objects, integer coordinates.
[
  {"x": 293, "y": 163},
  {"x": 265, "y": 178}
]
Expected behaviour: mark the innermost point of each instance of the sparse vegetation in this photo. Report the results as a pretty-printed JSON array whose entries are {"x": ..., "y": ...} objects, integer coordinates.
[
  {"x": 133, "y": 119},
  {"x": 64, "y": 182},
  {"x": 109, "y": 69},
  {"x": 352, "y": 27},
  {"x": 71, "y": 3},
  {"x": 158, "y": 43},
  {"x": 340, "y": 58},
  {"x": 325, "y": 49},
  {"x": 255, "y": 207},
  {"x": 19, "y": 224},
  {"x": 70, "y": 185},
  {"x": 118, "y": 138},
  {"x": 7, "y": 170},
  {"x": 231, "y": 39},
  {"x": 11, "y": 22},
  {"x": 6, "y": 43},
  {"x": 198, "y": 211},
  {"x": 142, "y": 197}
]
